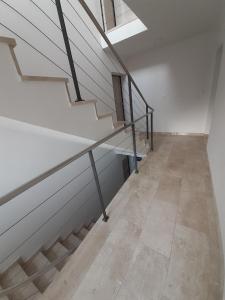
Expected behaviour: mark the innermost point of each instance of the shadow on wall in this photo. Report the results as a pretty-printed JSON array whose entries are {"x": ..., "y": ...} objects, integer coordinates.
[{"x": 176, "y": 80}]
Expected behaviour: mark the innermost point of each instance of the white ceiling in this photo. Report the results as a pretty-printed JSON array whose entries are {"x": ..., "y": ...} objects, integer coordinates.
[{"x": 169, "y": 21}]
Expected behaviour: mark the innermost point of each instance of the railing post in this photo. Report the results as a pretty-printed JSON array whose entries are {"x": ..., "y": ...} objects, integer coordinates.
[
  {"x": 152, "y": 133},
  {"x": 102, "y": 14},
  {"x": 68, "y": 49},
  {"x": 147, "y": 123},
  {"x": 114, "y": 12},
  {"x": 133, "y": 125},
  {"x": 105, "y": 217}
]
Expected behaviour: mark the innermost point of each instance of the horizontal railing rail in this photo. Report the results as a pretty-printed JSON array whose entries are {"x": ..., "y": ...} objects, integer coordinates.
[
  {"x": 6, "y": 198},
  {"x": 101, "y": 31}
]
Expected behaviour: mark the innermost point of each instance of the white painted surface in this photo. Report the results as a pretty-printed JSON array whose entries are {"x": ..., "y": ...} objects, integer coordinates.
[
  {"x": 46, "y": 104},
  {"x": 123, "y": 13},
  {"x": 124, "y": 32},
  {"x": 216, "y": 144},
  {"x": 169, "y": 22},
  {"x": 60, "y": 203},
  {"x": 93, "y": 65},
  {"x": 176, "y": 81}
]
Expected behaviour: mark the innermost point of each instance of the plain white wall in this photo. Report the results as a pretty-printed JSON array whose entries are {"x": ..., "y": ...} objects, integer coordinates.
[
  {"x": 216, "y": 144},
  {"x": 176, "y": 81},
  {"x": 123, "y": 13}
]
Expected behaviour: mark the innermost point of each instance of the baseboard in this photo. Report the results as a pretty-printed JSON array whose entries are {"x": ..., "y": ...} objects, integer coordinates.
[{"x": 182, "y": 134}]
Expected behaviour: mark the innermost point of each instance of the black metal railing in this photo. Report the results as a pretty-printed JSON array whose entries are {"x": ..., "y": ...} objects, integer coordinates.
[{"x": 68, "y": 49}]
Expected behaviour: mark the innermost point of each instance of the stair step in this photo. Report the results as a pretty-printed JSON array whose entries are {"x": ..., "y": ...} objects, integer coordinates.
[
  {"x": 37, "y": 264},
  {"x": 71, "y": 242},
  {"x": 119, "y": 124},
  {"x": 82, "y": 233},
  {"x": 15, "y": 275},
  {"x": 90, "y": 226},
  {"x": 4, "y": 297},
  {"x": 57, "y": 251},
  {"x": 35, "y": 297}
]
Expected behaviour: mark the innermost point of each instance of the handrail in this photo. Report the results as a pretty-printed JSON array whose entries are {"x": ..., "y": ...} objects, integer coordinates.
[
  {"x": 16, "y": 192},
  {"x": 99, "y": 28}
]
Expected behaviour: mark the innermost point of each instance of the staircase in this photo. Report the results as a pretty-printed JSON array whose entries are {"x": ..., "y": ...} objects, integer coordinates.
[
  {"x": 55, "y": 257},
  {"x": 49, "y": 98},
  {"x": 46, "y": 102}
]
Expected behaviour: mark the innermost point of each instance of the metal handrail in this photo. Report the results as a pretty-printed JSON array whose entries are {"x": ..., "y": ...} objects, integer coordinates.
[
  {"x": 16, "y": 192},
  {"x": 101, "y": 31}
]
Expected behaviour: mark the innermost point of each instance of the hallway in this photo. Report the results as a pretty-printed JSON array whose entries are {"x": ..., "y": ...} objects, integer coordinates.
[{"x": 161, "y": 241}]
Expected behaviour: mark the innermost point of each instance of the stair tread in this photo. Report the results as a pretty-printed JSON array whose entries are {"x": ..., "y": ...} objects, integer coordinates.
[
  {"x": 15, "y": 275},
  {"x": 90, "y": 226},
  {"x": 71, "y": 242},
  {"x": 4, "y": 297},
  {"x": 82, "y": 233},
  {"x": 36, "y": 264},
  {"x": 35, "y": 297},
  {"x": 56, "y": 251}
]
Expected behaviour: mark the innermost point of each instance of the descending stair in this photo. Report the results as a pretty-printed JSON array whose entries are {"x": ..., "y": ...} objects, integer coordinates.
[
  {"x": 36, "y": 264},
  {"x": 72, "y": 242},
  {"x": 56, "y": 251},
  {"x": 4, "y": 297},
  {"x": 82, "y": 233},
  {"x": 21, "y": 271},
  {"x": 15, "y": 275}
]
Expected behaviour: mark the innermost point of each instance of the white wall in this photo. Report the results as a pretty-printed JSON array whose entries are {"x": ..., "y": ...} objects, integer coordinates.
[
  {"x": 176, "y": 81},
  {"x": 59, "y": 204},
  {"x": 123, "y": 13},
  {"x": 216, "y": 144}
]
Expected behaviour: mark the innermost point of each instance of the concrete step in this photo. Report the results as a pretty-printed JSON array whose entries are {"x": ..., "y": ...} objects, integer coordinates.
[
  {"x": 3, "y": 297},
  {"x": 37, "y": 264},
  {"x": 15, "y": 275},
  {"x": 90, "y": 226},
  {"x": 56, "y": 251},
  {"x": 82, "y": 233},
  {"x": 72, "y": 242},
  {"x": 35, "y": 297}
]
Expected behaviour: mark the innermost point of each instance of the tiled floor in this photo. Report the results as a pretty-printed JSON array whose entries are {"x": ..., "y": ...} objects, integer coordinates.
[{"x": 161, "y": 242}]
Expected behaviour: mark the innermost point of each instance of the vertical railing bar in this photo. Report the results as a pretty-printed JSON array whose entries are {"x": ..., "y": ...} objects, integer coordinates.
[
  {"x": 114, "y": 13},
  {"x": 133, "y": 126},
  {"x": 102, "y": 13},
  {"x": 68, "y": 49},
  {"x": 152, "y": 132},
  {"x": 105, "y": 216},
  {"x": 147, "y": 123}
]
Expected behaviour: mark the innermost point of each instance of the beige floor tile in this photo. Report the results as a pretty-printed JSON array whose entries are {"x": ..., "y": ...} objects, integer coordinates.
[
  {"x": 109, "y": 269},
  {"x": 188, "y": 269},
  {"x": 169, "y": 189},
  {"x": 164, "y": 215},
  {"x": 146, "y": 276},
  {"x": 193, "y": 211},
  {"x": 158, "y": 231}
]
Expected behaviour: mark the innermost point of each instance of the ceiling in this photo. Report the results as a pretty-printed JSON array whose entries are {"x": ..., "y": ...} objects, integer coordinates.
[{"x": 169, "y": 21}]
